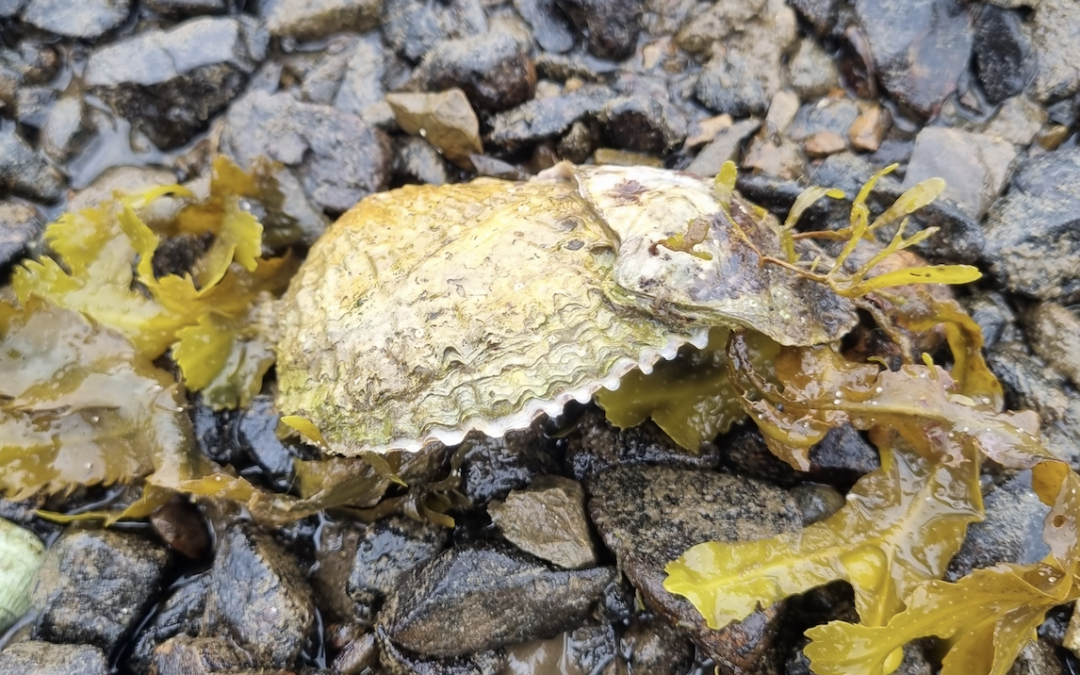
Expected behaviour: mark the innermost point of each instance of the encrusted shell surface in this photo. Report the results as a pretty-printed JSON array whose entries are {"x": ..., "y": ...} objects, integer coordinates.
[
  {"x": 21, "y": 553},
  {"x": 426, "y": 312}
]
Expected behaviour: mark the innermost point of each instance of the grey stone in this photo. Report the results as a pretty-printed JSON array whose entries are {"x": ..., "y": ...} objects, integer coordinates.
[
  {"x": 446, "y": 120},
  {"x": 828, "y": 114},
  {"x": 725, "y": 147},
  {"x": 642, "y": 124},
  {"x": 413, "y": 27},
  {"x": 20, "y": 224},
  {"x": 545, "y": 118},
  {"x": 169, "y": 83},
  {"x": 612, "y": 25},
  {"x": 32, "y": 105},
  {"x": 95, "y": 585},
  {"x": 547, "y": 519},
  {"x": 1017, "y": 121},
  {"x": 25, "y": 172},
  {"x": 395, "y": 660},
  {"x": 811, "y": 71},
  {"x": 84, "y": 19},
  {"x": 491, "y": 467},
  {"x": 494, "y": 70},
  {"x": 322, "y": 81},
  {"x": 1054, "y": 334},
  {"x": 995, "y": 316},
  {"x": 361, "y": 84},
  {"x": 1001, "y": 53},
  {"x": 258, "y": 597},
  {"x": 187, "y": 7},
  {"x": 44, "y": 658},
  {"x": 417, "y": 161},
  {"x": 9, "y": 8},
  {"x": 551, "y": 27},
  {"x": 67, "y": 128},
  {"x": 180, "y": 614},
  {"x": 313, "y": 19},
  {"x": 1055, "y": 39},
  {"x": 658, "y": 648},
  {"x": 975, "y": 167}
]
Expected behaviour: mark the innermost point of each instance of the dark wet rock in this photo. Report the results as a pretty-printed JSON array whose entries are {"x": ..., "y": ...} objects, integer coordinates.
[
  {"x": 1039, "y": 657},
  {"x": 32, "y": 105},
  {"x": 25, "y": 172},
  {"x": 744, "y": 452},
  {"x": 596, "y": 446},
  {"x": 550, "y": 26},
  {"x": 1011, "y": 532},
  {"x": 67, "y": 128},
  {"x": 335, "y": 551},
  {"x": 816, "y": 501},
  {"x": 85, "y": 19},
  {"x": 256, "y": 436},
  {"x": 94, "y": 586},
  {"x": 725, "y": 147},
  {"x": 995, "y": 316},
  {"x": 811, "y": 70},
  {"x": 821, "y": 14},
  {"x": 1055, "y": 39},
  {"x": 331, "y": 159},
  {"x": 1054, "y": 334},
  {"x": 413, "y": 27},
  {"x": 612, "y": 25},
  {"x": 731, "y": 84},
  {"x": 650, "y": 515},
  {"x": 446, "y": 120},
  {"x": 398, "y": 661},
  {"x": 385, "y": 551},
  {"x": 492, "y": 467},
  {"x": 417, "y": 161},
  {"x": 497, "y": 168},
  {"x": 478, "y": 597},
  {"x": 548, "y": 520},
  {"x": 1001, "y": 53},
  {"x": 20, "y": 224},
  {"x": 313, "y": 19},
  {"x": 1033, "y": 233},
  {"x": 186, "y": 655},
  {"x": 545, "y": 118},
  {"x": 920, "y": 47},
  {"x": 578, "y": 143},
  {"x": 842, "y": 457},
  {"x": 829, "y": 114},
  {"x": 591, "y": 649},
  {"x": 358, "y": 654},
  {"x": 181, "y": 526},
  {"x": 258, "y": 597},
  {"x": 180, "y": 614},
  {"x": 642, "y": 124},
  {"x": 186, "y": 7},
  {"x": 494, "y": 70},
  {"x": 1017, "y": 121},
  {"x": 560, "y": 68},
  {"x": 975, "y": 167},
  {"x": 170, "y": 83},
  {"x": 361, "y": 84},
  {"x": 655, "y": 647},
  {"x": 43, "y": 658}
]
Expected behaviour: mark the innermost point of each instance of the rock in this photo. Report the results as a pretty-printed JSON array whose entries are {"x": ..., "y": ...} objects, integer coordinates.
[
  {"x": 492, "y": 467},
  {"x": 724, "y": 148},
  {"x": 655, "y": 647},
  {"x": 551, "y": 28},
  {"x": 180, "y": 614},
  {"x": 32, "y": 105},
  {"x": 413, "y": 27},
  {"x": 385, "y": 551},
  {"x": 95, "y": 585},
  {"x": 43, "y": 658},
  {"x": 31, "y": 64},
  {"x": 591, "y": 649},
  {"x": 1011, "y": 532},
  {"x": 170, "y": 83},
  {"x": 86, "y": 19},
  {"x": 186, "y": 655},
  {"x": 1054, "y": 334},
  {"x": 446, "y": 120},
  {"x": 623, "y": 158},
  {"x": 397, "y": 661},
  {"x": 1001, "y": 53},
  {"x": 545, "y": 118},
  {"x": 731, "y": 84},
  {"x": 826, "y": 115},
  {"x": 67, "y": 129},
  {"x": 823, "y": 144},
  {"x": 821, "y": 14},
  {"x": 775, "y": 156},
  {"x": 494, "y": 70},
  {"x": 322, "y": 80},
  {"x": 417, "y": 161},
  {"x": 186, "y": 7},
  {"x": 782, "y": 111},
  {"x": 701, "y": 132},
  {"x": 612, "y": 25},
  {"x": 1039, "y": 657},
  {"x": 123, "y": 179},
  {"x": 314, "y": 19},
  {"x": 996, "y": 318},
  {"x": 642, "y": 124},
  {"x": 258, "y": 597},
  {"x": 20, "y": 224},
  {"x": 817, "y": 502},
  {"x": 920, "y": 48},
  {"x": 1017, "y": 121},
  {"x": 1033, "y": 232},
  {"x": 650, "y": 515},
  {"x": 811, "y": 71},
  {"x": 25, "y": 172},
  {"x": 577, "y": 144},
  {"x": 357, "y": 655},
  {"x": 330, "y": 159},
  {"x": 975, "y": 167},
  {"x": 869, "y": 128},
  {"x": 548, "y": 520},
  {"x": 9, "y": 8},
  {"x": 478, "y": 597},
  {"x": 1055, "y": 39},
  {"x": 180, "y": 525},
  {"x": 361, "y": 85}
]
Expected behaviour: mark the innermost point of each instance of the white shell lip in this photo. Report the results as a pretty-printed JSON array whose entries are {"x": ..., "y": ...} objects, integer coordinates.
[
  {"x": 21, "y": 555},
  {"x": 498, "y": 427}
]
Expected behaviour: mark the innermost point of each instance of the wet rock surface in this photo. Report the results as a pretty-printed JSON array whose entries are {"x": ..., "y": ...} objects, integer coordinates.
[
  {"x": 180, "y": 615},
  {"x": 20, "y": 225},
  {"x": 548, "y": 520},
  {"x": 88, "y": 19},
  {"x": 45, "y": 658}
]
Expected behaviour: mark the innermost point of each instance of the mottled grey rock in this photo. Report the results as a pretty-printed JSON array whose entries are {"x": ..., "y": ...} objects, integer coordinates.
[
  {"x": 169, "y": 83},
  {"x": 821, "y": 14},
  {"x": 20, "y": 224},
  {"x": 811, "y": 71},
  {"x": 551, "y": 27},
  {"x": 1055, "y": 39},
  {"x": 721, "y": 21},
  {"x": 995, "y": 316},
  {"x": 44, "y": 658},
  {"x": 975, "y": 167},
  {"x": 612, "y": 25},
  {"x": 658, "y": 648},
  {"x": 395, "y": 660},
  {"x": 25, "y": 172},
  {"x": 1054, "y": 334},
  {"x": 548, "y": 520},
  {"x": 817, "y": 501},
  {"x": 642, "y": 124},
  {"x": 591, "y": 649},
  {"x": 417, "y": 161},
  {"x": 95, "y": 585},
  {"x": 1001, "y": 53},
  {"x": 545, "y": 118},
  {"x": 361, "y": 84},
  {"x": 724, "y": 148},
  {"x": 180, "y": 614},
  {"x": 1017, "y": 121},
  {"x": 920, "y": 47},
  {"x": 828, "y": 114},
  {"x": 9, "y": 8},
  {"x": 649, "y": 516},
  {"x": 67, "y": 128},
  {"x": 84, "y": 19},
  {"x": 322, "y": 81},
  {"x": 187, "y": 7},
  {"x": 494, "y": 70},
  {"x": 481, "y": 596},
  {"x": 1033, "y": 232},
  {"x": 413, "y": 27},
  {"x": 258, "y": 597},
  {"x": 313, "y": 19},
  {"x": 32, "y": 105},
  {"x": 187, "y": 655}
]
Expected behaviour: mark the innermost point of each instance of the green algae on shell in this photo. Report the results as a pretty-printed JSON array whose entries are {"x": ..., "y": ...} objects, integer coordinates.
[
  {"x": 427, "y": 312},
  {"x": 21, "y": 553}
]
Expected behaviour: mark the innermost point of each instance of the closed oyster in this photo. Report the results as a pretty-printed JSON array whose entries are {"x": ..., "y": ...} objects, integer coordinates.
[
  {"x": 21, "y": 553},
  {"x": 427, "y": 312}
]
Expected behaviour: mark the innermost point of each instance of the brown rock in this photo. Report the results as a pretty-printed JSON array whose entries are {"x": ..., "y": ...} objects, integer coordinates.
[
  {"x": 548, "y": 521},
  {"x": 869, "y": 128},
  {"x": 445, "y": 119},
  {"x": 824, "y": 143}
]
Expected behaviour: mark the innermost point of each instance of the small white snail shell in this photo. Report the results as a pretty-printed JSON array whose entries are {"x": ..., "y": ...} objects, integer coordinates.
[{"x": 21, "y": 553}]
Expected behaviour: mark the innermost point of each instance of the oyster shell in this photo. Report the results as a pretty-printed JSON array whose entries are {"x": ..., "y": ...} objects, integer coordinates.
[
  {"x": 426, "y": 312},
  {"x": 21, "y": 554}
]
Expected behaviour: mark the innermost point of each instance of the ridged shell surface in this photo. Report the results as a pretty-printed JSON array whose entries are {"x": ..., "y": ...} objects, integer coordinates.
[{"x": 21, "y": 553}]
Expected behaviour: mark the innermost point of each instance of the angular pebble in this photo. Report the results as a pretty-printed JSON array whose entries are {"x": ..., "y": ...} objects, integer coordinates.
[
  {"x": 551, "y": 28},
  {"x": 1055, "y": 39},
  {"x": 1054, "y": 334},
  {"x": 67, "y": 128},
  {"x": 975, "y": 167},
  {"x": 642, "y": 124},
  {"x": 544, "y": 118},
  {"x": 492, "y": 467},
  {"x": 548, "y": 520},
  {"x": 494, "y": 70},
  {"x": 26, "y": 172},
  {"x": 314, "y": 19},
  {"x": 44, "y": 658},
  {"x": 446, "y": 120},
  {"x": 612, "y": 25},
  {"x": 83, "y": 19},
  {"x": 1001, "y": 53},
  {"x": 413, "y": 27},
  {"x": 180, "y": 614}
]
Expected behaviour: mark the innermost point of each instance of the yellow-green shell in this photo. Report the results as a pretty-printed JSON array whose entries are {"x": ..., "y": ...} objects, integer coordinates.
[
  {"x": 21, "y": 553},
  {"x": 427, "y": 312}
]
